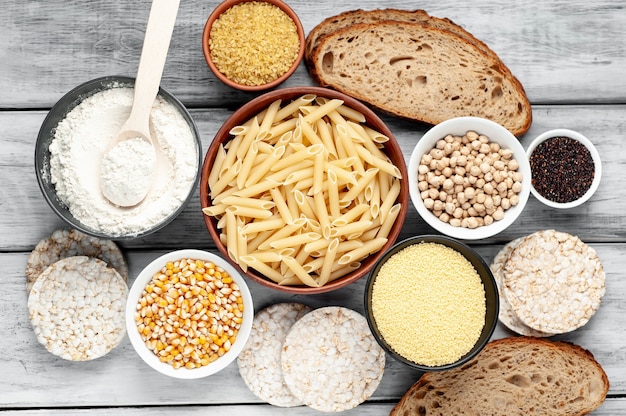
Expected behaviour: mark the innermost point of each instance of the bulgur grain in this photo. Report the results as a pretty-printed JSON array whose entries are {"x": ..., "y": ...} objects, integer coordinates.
[
  {"x": 254, "y": 43},
  {"x": 429, "y": 304}
]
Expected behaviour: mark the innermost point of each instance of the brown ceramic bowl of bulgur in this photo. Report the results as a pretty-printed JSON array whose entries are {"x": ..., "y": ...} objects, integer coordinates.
[
  {"x": 253, "y": 45},
  {"x": 432, "y": 302}
]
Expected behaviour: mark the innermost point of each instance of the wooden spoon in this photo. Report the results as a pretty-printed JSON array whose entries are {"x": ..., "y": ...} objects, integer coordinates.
[{"x": 129, "y": 161}]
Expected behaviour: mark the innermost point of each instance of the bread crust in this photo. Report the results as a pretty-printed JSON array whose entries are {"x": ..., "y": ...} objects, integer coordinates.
[
  {"x": 351, "y": 17},
  {"x": 328, "y": 34},
  {"x": 491, "y": 384}
]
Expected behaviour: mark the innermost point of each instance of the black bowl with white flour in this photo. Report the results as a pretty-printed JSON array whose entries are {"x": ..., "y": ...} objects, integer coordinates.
[{"x": 71, "y": 144}]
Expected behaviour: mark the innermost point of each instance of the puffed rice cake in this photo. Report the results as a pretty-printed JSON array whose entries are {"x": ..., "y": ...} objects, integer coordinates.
[
  {"x": 507, "y": 315},
  {"x": 76, "y": 308},
  {"x": 553, "y": 281},
  {"x": 68, "y": 243},
  {"x": 259, "y": 361},
  {"x": 330, "y": 359}
]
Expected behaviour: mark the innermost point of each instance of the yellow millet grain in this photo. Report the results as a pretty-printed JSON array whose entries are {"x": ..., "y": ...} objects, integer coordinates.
[
  {"x": 254, "y": 43},
  {"x": 429, "y": 304},
  {"x": 190, "y": 313}
]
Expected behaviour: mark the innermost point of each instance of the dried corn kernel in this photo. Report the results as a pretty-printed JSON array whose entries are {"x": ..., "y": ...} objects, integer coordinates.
[{"x": 175, "y": 308}]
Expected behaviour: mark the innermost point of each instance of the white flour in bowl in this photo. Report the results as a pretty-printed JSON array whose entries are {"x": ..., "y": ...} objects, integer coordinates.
[{"x": 77, "y": 148}]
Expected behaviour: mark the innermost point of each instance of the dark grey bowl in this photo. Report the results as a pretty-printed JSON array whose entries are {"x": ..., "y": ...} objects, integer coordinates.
[
  {"x": 491, "y": 297},
  {"x": 46, "y": 133}
]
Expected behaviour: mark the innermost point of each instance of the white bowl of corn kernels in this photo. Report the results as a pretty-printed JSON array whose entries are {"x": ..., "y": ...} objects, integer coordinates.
[{"x": 189, "y": 314}]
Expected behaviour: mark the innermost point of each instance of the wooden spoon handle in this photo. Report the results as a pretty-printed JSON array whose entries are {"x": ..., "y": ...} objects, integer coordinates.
[{"x": 155, "y": 46}]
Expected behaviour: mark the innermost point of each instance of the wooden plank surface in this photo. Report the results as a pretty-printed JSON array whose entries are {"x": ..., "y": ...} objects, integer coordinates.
[
  {"x": 569, "y": 55},
  {"x": 562, "y": 51}
]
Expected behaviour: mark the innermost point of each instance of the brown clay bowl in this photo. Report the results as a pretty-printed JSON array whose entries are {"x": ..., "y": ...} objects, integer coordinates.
[
  {"x": 223, "y": 7},
  {"x": 391, "y": 149}
]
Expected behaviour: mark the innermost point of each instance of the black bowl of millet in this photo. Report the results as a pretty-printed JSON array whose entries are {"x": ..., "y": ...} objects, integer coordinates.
[{"x": 565, "y": 167}]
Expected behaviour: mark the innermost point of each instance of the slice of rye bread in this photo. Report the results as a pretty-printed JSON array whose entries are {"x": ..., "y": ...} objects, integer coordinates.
[
  {"x": 333, "y": 23},
  {"x": 512, "y": 376},
  {"x": 420, "y": 72}
]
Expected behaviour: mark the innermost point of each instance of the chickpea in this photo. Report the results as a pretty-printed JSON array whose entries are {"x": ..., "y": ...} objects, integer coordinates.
[
  {"x": 488, "y": 202},
  {"x": 485, "y": 149},
  {"x": 470, "y": 192},
  {"x": 468, "y": 181},
  {"x": 498, "y": 214},
  {"x": 433, "y": 193},
  {"x": 475, "y": 171},
  {"x": 435, "y": 181}
]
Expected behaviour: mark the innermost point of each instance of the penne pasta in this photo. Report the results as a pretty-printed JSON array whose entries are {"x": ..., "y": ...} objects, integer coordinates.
[
  {"x": 258, "y": 226},
  {"x": 389, "y": 200},
  {"x": 323, "y": 110},
  {"x": 360, "y": 185},
  {"x": 299, "y": 271},
  {"x": 329, "y": 262},
  {"x": 308, "y": 132},
  {"x": 294, "y": 106},
  {"x": 390, "y": 219},
  {"x": 366, "y": 249},
  {"x": 246, "y": 165},
  {"x": 218, "y": 166},
  {"x": 302, "y": 193},
  {"x": 295, "y": 240},
  {"x": 269, "y": 118}
]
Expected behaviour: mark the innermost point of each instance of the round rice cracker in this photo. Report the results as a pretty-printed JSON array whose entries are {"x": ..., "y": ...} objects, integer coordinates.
[
  {"x": 259, "y": 361},
  {"x": 68, "y": 243},
  {"x": 76, "y": 308},
  {"x": 507, "y": 316},
  {"x": 331, "y": 361},
  {"x": 553, "y": 281}
]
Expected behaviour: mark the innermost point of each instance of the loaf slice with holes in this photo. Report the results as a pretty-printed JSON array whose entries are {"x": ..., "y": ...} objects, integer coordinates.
[
  {"x": 420, "y": 72},
  {"x": 351, "y": 17},
  {"x": 512, "y": 376}
]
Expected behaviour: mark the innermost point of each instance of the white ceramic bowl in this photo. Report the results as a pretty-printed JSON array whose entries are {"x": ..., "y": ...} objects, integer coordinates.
[
  {"x": 147, "y": 355},
  {"x": 460, "y": 126},
  {"x": 594, "y": 155}
]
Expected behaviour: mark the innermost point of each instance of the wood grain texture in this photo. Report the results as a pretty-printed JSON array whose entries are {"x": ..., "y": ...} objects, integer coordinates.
[
  {"x": 569, "y": 55},
  {"x": 577, "y": 47}
]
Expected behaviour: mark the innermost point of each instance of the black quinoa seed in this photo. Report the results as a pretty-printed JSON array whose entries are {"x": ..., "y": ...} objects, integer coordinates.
[{"x": 562, "y": 169}]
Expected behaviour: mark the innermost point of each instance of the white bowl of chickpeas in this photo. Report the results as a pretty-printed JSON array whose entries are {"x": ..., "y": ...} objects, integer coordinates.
[
  {"x": 189, "y": 314},
  {"x": 469, "y": 178}
]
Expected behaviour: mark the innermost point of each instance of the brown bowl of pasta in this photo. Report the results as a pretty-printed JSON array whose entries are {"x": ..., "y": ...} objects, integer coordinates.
[{"x": 303, "y": 189}]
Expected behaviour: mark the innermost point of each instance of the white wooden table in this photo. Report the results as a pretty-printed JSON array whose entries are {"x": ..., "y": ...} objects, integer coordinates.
[{"x": 569, "y": 55}]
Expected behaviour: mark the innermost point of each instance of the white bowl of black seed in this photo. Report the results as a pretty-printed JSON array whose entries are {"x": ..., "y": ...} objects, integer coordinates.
[{"x": 565, "y": 167}]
